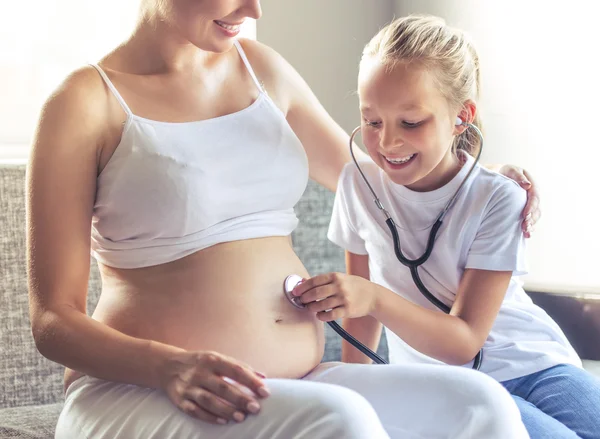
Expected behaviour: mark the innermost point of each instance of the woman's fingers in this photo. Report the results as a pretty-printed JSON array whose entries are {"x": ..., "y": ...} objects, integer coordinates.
[
  {"x": 214, "y": 387},
  {"x": 532, "y": 207},
  {"x": 531, "y": 212},
  {"x": 234, "y": 395},
  {"x": 220, "y": 389},
  {"x": 517, "y": 174},
  {"x": 239, "y": 373},
  {"x": 191, "y": 408},
  {"x": 206, "y": 405}
]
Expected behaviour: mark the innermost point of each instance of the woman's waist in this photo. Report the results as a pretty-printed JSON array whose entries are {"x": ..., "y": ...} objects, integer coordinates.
[
  {"x": 228, "y": 298},
  {"x": 190, "y": 321}
]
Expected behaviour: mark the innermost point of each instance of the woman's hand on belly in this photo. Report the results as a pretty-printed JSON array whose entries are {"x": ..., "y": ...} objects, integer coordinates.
[{"x": 212, "y": 387}]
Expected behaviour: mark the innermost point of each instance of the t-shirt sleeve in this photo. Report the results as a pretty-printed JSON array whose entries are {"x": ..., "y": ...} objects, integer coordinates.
[
  {"x": 500, "y": 244},
  {"x": 342, "y": 230}
]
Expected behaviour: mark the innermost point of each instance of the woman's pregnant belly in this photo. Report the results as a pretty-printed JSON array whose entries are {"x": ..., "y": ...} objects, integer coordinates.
[{"x": 227, "y": 298}]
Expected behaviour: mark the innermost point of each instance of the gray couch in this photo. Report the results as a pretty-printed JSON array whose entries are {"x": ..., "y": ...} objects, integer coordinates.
[{"x": 30, "y": 385}]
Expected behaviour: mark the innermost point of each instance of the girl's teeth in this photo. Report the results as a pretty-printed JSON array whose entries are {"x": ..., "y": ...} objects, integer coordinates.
[{"x": 400, "y": 161}]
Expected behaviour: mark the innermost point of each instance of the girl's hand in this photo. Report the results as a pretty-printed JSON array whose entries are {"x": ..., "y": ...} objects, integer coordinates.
[
  {"x": 531, "y": 213},
  {"x": 336, "y": 295},
  {"x": 213, "y": 387}
]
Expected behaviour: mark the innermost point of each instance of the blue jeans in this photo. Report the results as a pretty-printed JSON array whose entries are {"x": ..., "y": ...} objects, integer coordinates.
[{"x": 560, "y": 402}]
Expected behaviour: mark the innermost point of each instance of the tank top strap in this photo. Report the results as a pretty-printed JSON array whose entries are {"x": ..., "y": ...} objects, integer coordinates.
[
  {"x": 113, "y": 89},
  {"x": 238, "y": 46}
]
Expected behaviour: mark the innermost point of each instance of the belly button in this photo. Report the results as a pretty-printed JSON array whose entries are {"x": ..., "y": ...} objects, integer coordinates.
[{"x": 278, "y": 320}]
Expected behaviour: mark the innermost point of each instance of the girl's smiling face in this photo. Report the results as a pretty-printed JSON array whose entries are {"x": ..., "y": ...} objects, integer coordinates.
[{"x": 408, "y": 126}]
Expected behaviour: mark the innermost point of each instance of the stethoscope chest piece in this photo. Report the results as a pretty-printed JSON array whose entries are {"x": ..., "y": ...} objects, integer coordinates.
[{"x": 289, "y": 284}]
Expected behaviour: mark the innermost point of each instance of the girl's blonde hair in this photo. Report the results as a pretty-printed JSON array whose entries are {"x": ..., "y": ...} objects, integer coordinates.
[{"x": 444, "y": 51}]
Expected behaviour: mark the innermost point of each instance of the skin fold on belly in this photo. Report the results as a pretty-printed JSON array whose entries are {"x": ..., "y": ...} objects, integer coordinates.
[{"x": 227, "y": 298}]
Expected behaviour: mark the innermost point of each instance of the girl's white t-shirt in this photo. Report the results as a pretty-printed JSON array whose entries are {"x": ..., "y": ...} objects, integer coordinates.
[{"x": 482, "y": 230}]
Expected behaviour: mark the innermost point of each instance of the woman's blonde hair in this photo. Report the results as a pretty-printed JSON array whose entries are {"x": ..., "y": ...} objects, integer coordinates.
[
  {"x": 150, "y": 8},
  {"x": 444, "y": 51}
]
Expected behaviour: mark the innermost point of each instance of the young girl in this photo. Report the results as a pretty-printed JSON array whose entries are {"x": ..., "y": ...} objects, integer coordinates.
[{"x": 417, "y": 76}]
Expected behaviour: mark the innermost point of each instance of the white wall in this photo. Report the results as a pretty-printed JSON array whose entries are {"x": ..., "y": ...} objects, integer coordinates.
[
  {"x": 323, "y": 40},
  {"x": 541, "y": 110}
]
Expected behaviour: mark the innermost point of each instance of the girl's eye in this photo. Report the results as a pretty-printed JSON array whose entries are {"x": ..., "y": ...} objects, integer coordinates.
[
  {"x": 411, "y": 124},
  {"x": 371, "y": 123}
]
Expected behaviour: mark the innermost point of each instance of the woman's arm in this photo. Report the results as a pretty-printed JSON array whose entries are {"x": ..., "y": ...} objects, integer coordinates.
[
  {"x": 325, "y": 142},
  {"x": 61, "y": 186},
  {"x": 453, "y": 338},
  {"x": 366, "y": 329}
]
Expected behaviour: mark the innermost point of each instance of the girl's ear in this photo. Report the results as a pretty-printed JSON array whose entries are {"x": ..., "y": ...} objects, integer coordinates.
[{"x": 467, "y": 114}]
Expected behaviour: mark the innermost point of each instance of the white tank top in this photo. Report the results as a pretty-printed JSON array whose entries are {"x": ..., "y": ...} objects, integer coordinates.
[{"x": 171, "y": 189}]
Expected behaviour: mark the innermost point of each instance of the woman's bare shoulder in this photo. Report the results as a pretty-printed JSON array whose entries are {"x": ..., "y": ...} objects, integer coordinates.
[
  {"x": 77, "y": 109},
  {"x": 277, "y": 76},
  {"x": 264, "y": 60},
  {"x": 78, "y": 90}
]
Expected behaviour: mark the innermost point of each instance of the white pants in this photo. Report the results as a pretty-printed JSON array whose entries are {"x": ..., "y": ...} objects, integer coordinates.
[{"x": 335, "y": 401}]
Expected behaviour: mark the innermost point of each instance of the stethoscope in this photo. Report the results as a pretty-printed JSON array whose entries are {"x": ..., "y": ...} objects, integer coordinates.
[{"x": 413, "y": 264}]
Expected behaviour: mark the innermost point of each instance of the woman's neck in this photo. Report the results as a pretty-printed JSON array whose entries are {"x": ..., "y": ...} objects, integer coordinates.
[{"x": 158, "y": 48}]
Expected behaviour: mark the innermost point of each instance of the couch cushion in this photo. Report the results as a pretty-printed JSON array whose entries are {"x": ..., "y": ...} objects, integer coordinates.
[
  {"x": 26, "y": 378},
  {"x": 35, "y": 422}
]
